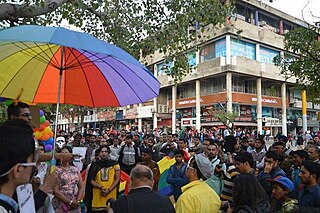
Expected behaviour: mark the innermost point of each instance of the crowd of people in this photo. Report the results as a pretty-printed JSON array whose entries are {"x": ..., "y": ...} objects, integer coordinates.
[{"x": 212, "y": 172}]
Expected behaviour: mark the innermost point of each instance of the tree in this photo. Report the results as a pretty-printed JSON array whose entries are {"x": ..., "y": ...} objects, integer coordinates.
[
  {"x": 225, "y": 117},
  {"x": 139, "y": 27},
  {"x": 302, "y": 59}
]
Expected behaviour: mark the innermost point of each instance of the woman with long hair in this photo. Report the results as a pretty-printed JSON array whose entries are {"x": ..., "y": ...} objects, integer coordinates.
[
  {"x": 248, "y": 196},
  {"x": 69, "y": 191}
]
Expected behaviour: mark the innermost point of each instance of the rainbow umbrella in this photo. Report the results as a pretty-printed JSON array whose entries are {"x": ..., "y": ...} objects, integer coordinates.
[{"x": 56, "y": 65}]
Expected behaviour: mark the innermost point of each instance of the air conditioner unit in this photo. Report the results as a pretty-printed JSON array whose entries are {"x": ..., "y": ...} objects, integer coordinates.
[{"x": 264, "y": 119}]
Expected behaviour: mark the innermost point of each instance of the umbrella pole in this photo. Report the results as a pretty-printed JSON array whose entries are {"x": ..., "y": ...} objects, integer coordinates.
[{"x": 58, "y": 102}]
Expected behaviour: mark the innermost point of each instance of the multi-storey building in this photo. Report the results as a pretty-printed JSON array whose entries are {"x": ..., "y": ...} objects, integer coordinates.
[
  {"x": 231, "y": 71},
  {"x": 235, "y": 72}
]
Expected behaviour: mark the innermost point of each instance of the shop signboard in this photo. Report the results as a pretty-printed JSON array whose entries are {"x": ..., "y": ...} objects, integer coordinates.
[
  {"x": 106, "y": 116},
  {"x": 245, "y": 111},
  {"x": 188, "y": 122},
  {"x": 145, "y": 111},
  {"x": 131, "y": 113}
]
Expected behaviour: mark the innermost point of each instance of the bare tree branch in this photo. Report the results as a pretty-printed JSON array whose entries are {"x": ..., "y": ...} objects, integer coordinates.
[{"x": 10, "y": 11}]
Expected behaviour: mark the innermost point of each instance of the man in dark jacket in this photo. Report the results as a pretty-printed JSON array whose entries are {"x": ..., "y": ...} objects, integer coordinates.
[
  {"x": 270, "y": 171},
  {"x": 141, "y": 198}
]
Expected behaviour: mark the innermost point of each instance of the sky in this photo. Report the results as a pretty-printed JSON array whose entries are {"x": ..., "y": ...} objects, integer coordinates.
[{"x": 294, "y": 8}]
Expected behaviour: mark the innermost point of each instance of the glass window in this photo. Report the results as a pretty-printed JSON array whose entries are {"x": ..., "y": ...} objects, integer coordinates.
[
  {"x": 267, "y": 55},
  {"x": 207, "y": 52},
  {"x": 242, "y": 48},
  {"x": 162, "y": 69},
  {"x": 220, "y": 48},
  {"x": 192, "y": 58},
  {"x": 212, "y": 85}
]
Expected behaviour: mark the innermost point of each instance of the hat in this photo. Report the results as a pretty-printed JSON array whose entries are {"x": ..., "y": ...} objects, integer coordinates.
[
  {"x": 286, "y": 182},
  {"x": 204, "y": 165}
]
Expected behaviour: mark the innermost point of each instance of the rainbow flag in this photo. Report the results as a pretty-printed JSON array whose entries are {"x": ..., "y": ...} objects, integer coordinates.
[
  {"x": 164, "y": 165},
  {"x": 124, "y": 184}
]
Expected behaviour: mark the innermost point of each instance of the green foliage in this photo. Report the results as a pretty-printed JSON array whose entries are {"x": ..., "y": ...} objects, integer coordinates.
[
  {"x": 227, "y": 118},
  {"x": 3, "y": 112},
  {"x": 136, "y": 26},
  {"x": 302, "y": 59}
]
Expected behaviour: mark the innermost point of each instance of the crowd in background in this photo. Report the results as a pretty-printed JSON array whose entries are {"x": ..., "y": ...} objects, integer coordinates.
[{"x": 212, "y": 171}]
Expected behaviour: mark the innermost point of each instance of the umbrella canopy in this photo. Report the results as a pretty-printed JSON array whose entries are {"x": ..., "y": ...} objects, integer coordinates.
[{"x": 93, "y": 72}]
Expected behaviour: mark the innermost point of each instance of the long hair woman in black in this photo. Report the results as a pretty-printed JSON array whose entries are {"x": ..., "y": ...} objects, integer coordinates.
[{"x": 249, "y": 195}]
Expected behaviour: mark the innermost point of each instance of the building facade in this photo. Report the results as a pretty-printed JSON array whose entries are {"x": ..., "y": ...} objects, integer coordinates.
[
  {"x": 236, "y": 72},
  {"x": 230, "y": 71}
]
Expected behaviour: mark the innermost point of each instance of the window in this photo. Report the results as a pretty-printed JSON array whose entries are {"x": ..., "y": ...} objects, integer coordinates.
[
  {"x": 212, "y": 85},
  {"x": 220, "y": 48},
  {"x": 244, "y": 85},
  {"x": 270, "y": 89},
  {"x": 242, "y": 48},
  {"x": 267, "y": 55},
  {"x": 186, "y": 91},
  {"x": 162, "y": 69},
  {"x": 207, "y": 52},
  {"x": 192, "y": 59}
]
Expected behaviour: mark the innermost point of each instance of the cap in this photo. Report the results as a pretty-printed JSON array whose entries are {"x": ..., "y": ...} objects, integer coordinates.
[
  {"x": 204, "y": 165},
  {"x": 286, "y": 182}
]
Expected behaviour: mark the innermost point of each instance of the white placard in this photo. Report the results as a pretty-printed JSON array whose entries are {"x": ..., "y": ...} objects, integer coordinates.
[
  {"x": 25, "y": 198},
  {"x": 79, "y": 151}
]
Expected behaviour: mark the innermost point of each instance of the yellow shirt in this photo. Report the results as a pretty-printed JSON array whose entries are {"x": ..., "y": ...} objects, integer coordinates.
[
  {"x": 105, "y": 177},
  {"x": 198, "y": 197}
]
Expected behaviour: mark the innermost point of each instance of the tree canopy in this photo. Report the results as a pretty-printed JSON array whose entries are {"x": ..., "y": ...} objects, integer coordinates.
[
  {"x": 302, "y": 59},
  {"x": 138, "y": 26}
]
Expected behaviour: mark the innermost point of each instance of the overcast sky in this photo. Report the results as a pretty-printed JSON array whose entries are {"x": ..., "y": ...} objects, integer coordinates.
[{"x": 294, "y": 8}]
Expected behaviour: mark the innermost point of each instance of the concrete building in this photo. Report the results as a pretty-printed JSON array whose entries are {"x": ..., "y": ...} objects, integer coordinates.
[
  {"x": 235, "y": 72},
  {"x": 230, "y": 71}
]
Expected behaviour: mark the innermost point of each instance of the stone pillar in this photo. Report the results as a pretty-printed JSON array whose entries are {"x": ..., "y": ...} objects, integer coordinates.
[
  {"x": 155, "y": 103},
  {"x": 284, "y": 109},
  {"x": 228, "y": 49},
  {"x": 198, "y": 106},
  {"x": 229, "y": 91},
  {"x": 281, "y": 32},
  {"x": 251, "y": 18},
  {"x": 256, "y": 17},
  {"x": 140, "y": 122},
  {"x": 259, "y": 106},
  {"x": 258, "y": 52},
  {"x": 174, "y": 108}
]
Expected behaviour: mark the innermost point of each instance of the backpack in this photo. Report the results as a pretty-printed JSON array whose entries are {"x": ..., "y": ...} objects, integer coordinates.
[{"x": 5, "y": 206}]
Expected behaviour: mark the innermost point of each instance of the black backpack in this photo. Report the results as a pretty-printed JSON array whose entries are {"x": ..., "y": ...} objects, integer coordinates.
[{"x": 6, "y": 206}]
